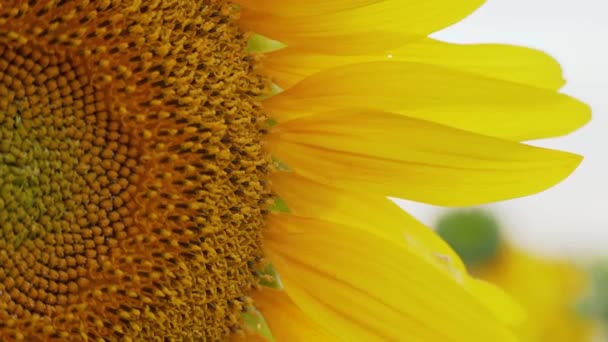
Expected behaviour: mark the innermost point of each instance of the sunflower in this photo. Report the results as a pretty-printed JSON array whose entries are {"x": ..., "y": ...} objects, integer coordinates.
[
  {"x": 151, "y": 186},
  {"x": 549, "y": 289}
]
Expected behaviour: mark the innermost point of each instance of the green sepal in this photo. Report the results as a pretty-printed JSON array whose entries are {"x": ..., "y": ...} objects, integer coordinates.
[
  {"x": 279, "y": 206},
  {"x": 269, "y": 277},
  {"x": 259, "y": 43},
  {"x": 280, "y": 166},
  {"x": 274, "y": 90},
  {"x": 254, "y": 322},
  {"x": 271, "y": 122}
]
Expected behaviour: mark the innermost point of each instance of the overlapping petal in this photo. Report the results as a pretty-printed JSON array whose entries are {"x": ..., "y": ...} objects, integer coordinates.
[
  {"x": 372, "y": 108},
  {"x": 295, "y": 8},
  {"x": 435, "y": 93},
  {"x": 377, "y": 214},
  {"x": 346, "y": 27},
  {"x": 393, "y": 155},
  {"x": 286, "y": 321},
  {"x": 363, "y": 287},
  {"x": 504, "y": 62}
]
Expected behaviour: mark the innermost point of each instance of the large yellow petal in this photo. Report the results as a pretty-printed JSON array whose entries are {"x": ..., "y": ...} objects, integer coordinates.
[
  {"x": 393, "y": 155},
  {"x": 286, "y": 321},
  {"x": 435, "y": 93},
  {"x": 307, "y": 198},
  {"x": 512, "y": 63},
  {"x": 352, "y": 27},
  {"x": 362, "y": 287},
  {"x": 376, "y": 215}
]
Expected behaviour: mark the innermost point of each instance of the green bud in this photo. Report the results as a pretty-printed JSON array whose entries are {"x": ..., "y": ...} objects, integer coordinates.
[{"x": 255, "y": 323}]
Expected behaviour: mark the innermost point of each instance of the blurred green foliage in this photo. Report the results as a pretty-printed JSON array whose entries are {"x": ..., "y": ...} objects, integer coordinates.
[
  {"x": 473, "y": 233},
  {"x": 594, "y": 303}
]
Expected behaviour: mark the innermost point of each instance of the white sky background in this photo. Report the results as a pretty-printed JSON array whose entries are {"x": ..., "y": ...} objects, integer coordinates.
[{"x": 571, "y": 218}]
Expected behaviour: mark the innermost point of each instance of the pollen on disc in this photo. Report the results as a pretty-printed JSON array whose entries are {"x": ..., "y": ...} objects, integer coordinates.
[{"x": 132, "y": 188}]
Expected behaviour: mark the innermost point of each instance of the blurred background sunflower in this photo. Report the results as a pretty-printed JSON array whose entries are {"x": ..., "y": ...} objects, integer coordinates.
[{"x": 550, "y": 289}]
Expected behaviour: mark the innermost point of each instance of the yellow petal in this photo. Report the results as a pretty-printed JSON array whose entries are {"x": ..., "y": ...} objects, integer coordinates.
[
  {"x": 286, "y": 321},
  {"x": 377, "y": 215},
  {"x": 347, "y": 27},
  {"x": 512, "y": 63},
  {"x": 435, "y": 93},
  {"x": 362, "y": 287},
  {"x": 393, "y": 155},
  {"x": 295, "y": 8},
  {"x": 307, "y": 198}
]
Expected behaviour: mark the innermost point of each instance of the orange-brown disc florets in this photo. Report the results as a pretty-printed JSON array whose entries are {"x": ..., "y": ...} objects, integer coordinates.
[{"x": 131, "y": 169}]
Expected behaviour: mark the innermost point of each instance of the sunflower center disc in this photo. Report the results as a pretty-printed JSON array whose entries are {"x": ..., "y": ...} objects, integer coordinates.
[{"x": 131, "y": 170}]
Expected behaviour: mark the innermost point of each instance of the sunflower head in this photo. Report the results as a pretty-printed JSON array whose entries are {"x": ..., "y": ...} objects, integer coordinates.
[{"x": 132, "y": 187}]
